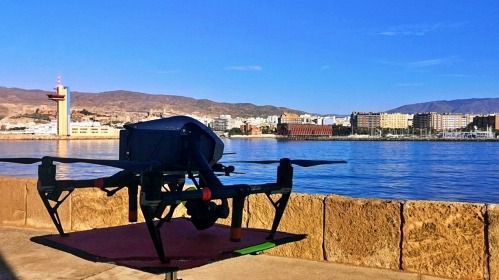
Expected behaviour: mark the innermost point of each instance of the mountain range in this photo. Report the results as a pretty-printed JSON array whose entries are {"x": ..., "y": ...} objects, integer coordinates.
[
  {"x": 12, "y": 100},
  {"x": 473, "y": 105},
  {"x": 128, "y": 101}
]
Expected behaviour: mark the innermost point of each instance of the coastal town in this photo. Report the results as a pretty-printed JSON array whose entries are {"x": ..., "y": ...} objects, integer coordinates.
[
  {"x": 65, "y": 120},
  {"x": 356, "y": 126},
  {"x": 359, "y": 125}
]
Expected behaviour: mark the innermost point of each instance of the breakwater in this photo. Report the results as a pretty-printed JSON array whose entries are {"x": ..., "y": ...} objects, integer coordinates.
[{"x": 446, "y": 239}]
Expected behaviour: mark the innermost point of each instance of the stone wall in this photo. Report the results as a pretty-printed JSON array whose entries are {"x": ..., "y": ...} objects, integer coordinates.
[{"x": 452, "y": 240}]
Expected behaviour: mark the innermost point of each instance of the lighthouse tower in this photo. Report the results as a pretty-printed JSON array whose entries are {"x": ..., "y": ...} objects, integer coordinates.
[{"x": 63, "y": 98}]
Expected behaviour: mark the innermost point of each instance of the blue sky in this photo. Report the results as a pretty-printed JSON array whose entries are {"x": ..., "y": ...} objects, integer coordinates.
[{"x": 317, "y": 56}]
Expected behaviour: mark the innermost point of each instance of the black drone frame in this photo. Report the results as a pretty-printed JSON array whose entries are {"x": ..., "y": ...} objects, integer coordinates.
[{"x": 154, "y": 200}]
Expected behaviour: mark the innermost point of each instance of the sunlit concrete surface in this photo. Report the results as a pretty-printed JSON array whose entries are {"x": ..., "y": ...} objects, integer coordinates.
[{"x": 22, "y": 259}]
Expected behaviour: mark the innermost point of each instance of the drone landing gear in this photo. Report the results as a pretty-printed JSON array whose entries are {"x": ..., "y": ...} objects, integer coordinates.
[
  {"x": 57, "y": 200},
  {"x": 171, "y": 275},
  {"x": 284, "y": 179},
  {"x": 279, "y": 207},
  {"x": 153, "y": 228}
]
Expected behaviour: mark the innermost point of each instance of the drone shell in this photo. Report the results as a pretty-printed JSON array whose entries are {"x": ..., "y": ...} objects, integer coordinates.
[{"x": 165, "y": 140}]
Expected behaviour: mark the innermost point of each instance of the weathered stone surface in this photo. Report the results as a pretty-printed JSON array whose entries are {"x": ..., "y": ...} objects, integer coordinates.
[
  {"x": 493, "y": 232},
  {"x": 444, "y": 239},
  {"x": 13, "y": 200},
  {"x": 37, "y": 215},
  {"x": 363, "y": 232},
  {"x": 304, "y": 215},
  {"x": 92, "y": 208}
]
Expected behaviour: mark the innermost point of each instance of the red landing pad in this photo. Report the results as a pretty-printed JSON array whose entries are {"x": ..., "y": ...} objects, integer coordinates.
[{"x": 186, "y": 247}]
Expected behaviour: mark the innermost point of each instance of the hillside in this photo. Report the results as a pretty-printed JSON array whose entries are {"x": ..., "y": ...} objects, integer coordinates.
[
  {"x": 473, "y": 105},
  {"x": 3, "y": 111},
  {"x": 127, "y": 101}
]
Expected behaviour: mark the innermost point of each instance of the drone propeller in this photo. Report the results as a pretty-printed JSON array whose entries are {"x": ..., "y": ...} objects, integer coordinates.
[
  {"x": 122, "y": 164},
  {"x": 21, "y": 160},
  {"x": 299, "y": 162}
]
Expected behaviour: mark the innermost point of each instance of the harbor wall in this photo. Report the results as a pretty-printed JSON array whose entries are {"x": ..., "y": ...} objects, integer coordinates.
[{"x": 445, "y": 239}]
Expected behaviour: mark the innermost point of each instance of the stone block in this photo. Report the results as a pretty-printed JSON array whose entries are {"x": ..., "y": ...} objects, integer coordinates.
[
  {"x": 13, "y": 200},
  {"x": 37, "y": 215},
  {"x": 493, "y": 235},
  {"x": 92, "y": 208},
  {"x": 304, "y": 215},
  {"x": 364, "y": 232},
  {"x": 444, "y": 239}
]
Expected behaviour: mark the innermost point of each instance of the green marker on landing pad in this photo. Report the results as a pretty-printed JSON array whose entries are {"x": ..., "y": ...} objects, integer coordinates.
[{"x": 255, "y": 248}]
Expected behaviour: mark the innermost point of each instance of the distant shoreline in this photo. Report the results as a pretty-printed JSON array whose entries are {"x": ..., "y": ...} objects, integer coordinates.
[
  {"x": 350, "y": 138},
  {"x": 6, "y": 137},
  {"x": 53, "y": 137}
]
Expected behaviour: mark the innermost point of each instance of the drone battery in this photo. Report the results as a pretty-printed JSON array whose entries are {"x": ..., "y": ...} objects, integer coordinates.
[
  {"x": 147, "y": 145},
  {"x": 169, "y": 141}
]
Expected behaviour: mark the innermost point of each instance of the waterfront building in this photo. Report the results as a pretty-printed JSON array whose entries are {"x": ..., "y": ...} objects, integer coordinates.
[
  {"x": 394, "y": 120},
  {"x": 343, "y": 121},
  {"x": 63, "y": 98},
  {"x": 308, "y": 119},
  {"x": 486, "y": 122},
  {"x": 454, "y": 121},
  {"x": 92, "y": 129},
  {"x": 363, "y": 120},
  {"x": 41, "y": 129},
  {"x": 273, "y": 120},
  {"x": 304, "y": 130},
  {"x": 429, "y": 121},
  {"x": 329, "y": 120},
  {"x": 250, "y": 129},
  {"x": 441, "y": 122},
  {"x": 289, "y": 118},
  {"x": 469, "y": 119},
  {"x": 222, "y": 123}
]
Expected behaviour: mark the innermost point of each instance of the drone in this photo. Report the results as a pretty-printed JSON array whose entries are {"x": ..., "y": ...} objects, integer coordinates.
[{"x": 158, "y": 156}]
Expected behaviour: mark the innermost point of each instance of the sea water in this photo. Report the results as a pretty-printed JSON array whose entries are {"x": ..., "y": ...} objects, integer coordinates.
[{"x": 453, "y": 171}]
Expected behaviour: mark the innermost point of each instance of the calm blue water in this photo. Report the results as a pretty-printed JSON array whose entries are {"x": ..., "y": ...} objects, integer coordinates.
[{"x": 457, "y": 171}]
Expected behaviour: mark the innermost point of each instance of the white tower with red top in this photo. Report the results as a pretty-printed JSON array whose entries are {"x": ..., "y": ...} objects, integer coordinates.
[{"x": 63, "y": 98}]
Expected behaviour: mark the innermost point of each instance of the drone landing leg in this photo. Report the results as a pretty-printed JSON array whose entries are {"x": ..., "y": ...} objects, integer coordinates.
[
  {"x": 284, "y": 179},
  {"x": 237, "y": 218},
  {"x": 280, "y": 206},
  {"x": 154, "y": 232},
  {"x": 132, "y": 202},
  {"x": 52, "y": 210}
]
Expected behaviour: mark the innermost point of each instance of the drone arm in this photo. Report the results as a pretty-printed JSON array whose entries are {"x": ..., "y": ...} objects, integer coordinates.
[
  {"x": 51, "y": 190},
  {"x": 117, "y": 181},
  {"x": 205, "y": 171},
  {"x": 120, "y": 179},
  {"x": 212, "y": 183}
]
